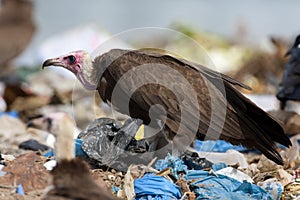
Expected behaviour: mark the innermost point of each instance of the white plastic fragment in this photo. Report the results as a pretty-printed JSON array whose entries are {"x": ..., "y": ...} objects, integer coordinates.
[
  {"x": 50, "y": 140},
  {"x": 273, "y": 186},
  {"x": 252, "y": 170},
  {"x": 284, "y": 177},
  {"x": 235, "y": 173},
  {"x": 8, "y": 157},
  {"x": 129, "y": 184},
  {"x": 2, "y": 173},
  {"x": 230, "y": 157},
  {"x": 293, "y": 153},
  {"x": 50, "y": 164}
]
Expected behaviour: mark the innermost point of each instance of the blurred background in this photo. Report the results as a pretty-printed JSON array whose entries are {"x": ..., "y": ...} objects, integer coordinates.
[
  {"x": 249, "y": 23},
  {"x": 247, "y": 41}
]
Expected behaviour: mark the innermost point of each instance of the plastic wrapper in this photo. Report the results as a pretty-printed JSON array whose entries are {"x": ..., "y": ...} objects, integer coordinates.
[{"x": 155, "y": 188}]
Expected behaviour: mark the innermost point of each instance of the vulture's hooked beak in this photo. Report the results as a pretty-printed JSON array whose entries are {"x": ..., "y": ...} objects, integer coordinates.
[{"x": 53, "y": 62}]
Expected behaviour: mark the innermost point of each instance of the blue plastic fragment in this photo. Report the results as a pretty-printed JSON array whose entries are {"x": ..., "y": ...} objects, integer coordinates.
[
  {"x": 216, "y": 146},
  {"x": 274, "y": 187},
  {"x": 78, "y": 150},
  {"x": 20, "y": 190},
  {"x": 49, "y": 153},
  {"x": 218, "y": 166},
  {"x": 115, "y": 189},
  {"x": 12, "y": 113},
  {"x": 155, "y": 187},
  {"x": 172, "y": 162},
  {"x": 211, "y": 186},
  {"x": 223, "y": 146}
]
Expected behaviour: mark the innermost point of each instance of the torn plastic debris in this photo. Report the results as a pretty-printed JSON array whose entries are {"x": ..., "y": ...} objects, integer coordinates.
[
  {"x": 20, "y": 190},
  {"x": 211, "y": 185},
  {"x": 193, "y": 161},
  {"x": 177, "y": 166},
  {"x": 2, "y": 173},
  {"x": 12, "y": 113},
  {"x": 230, "y": 157},
  {"x": 223, "y": 187},
  {"x": 155, "y": 187},
  {"x": 216, "y": 146},
  {"x": 33, "y": 145},
  {"x": 273, "y": 186},
  {"x": 218, "y": 166},
  {"x": 106, "y": 140},
  {"x": 234, "y": 173},
  {"x": 115, "y": 189},
  {"x": 49, "y": 165}
]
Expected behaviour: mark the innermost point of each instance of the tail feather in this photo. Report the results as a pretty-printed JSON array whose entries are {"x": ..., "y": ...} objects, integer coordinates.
[
  {"x": 268, "y": 125},
  {"x": 271, "y": 153},
  {"x": 259, "y": 140},
  {"x": 259, "y": 127}
]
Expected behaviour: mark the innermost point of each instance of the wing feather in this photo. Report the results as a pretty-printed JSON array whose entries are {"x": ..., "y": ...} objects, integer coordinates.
[{"x": 152, "y": 94}]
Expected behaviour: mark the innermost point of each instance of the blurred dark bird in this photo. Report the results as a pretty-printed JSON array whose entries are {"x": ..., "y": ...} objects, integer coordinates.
[
  {"x": 195, "y": 102},
  {"x": 289, "y": 88},
  {"x": 16, "y": 29},
  {"x": 71, "y": 176}
]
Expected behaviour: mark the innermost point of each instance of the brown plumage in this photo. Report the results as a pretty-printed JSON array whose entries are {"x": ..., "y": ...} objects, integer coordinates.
[
  {"x": 71, "y": 178},
  {"x": 16, "y": 28},
  {"x": 214, "y": 108}
]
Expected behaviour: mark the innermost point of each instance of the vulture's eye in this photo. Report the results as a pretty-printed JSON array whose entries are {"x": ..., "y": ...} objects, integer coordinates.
[{"x": 72, "y": 59}]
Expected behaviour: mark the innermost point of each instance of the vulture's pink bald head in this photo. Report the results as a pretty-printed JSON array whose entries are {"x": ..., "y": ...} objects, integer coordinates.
[{"x": 78, "y": 62}]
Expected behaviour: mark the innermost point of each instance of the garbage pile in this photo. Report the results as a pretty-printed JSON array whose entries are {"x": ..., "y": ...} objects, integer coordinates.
[
  {"x": 118, "y": 163},
  {"x": 118, "y": 159}
]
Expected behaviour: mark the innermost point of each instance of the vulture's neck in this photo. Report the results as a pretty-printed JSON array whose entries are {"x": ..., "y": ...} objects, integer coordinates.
[
  {"x": 89, "y": 79},
  {"x": 64, "y": 146}
]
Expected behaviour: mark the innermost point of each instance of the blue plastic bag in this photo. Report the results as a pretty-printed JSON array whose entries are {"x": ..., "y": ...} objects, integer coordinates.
[
  {"x": 211, "y": 186},
  {"x": 155, "y": 188},
  {"x": 216, "y": 146},
  {"x": 172, "y": 162}
]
